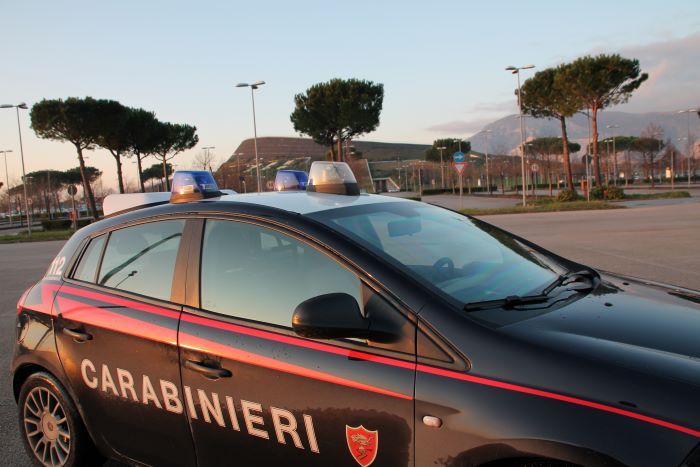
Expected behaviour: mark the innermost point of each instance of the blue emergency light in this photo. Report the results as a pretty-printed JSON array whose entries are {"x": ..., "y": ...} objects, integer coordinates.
[
  {"x": 291, "y": 180},
  {"x": 191, "y": 185}
]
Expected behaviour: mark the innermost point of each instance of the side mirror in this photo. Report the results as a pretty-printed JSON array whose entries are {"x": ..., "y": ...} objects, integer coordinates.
[{"x": 330, "y": 316}]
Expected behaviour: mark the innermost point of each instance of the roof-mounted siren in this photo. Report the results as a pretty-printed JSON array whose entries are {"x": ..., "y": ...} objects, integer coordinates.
[
  {"x": 332, "y": 177},
  {"x": 192, "y": 185},
  {"x": 291, "y": 180}
]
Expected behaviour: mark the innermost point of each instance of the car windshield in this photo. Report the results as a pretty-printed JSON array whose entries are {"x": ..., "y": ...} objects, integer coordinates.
[{"x": 466, "y": 259}]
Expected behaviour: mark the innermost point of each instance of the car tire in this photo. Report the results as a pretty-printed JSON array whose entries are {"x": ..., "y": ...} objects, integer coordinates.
[{"x": 51, "y": 428}]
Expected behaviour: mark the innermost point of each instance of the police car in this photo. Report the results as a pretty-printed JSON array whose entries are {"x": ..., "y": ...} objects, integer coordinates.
[{"x": 328, "y": 327}]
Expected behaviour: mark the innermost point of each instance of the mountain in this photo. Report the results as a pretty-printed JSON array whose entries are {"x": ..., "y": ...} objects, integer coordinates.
[{"x": 505, "y": 134}]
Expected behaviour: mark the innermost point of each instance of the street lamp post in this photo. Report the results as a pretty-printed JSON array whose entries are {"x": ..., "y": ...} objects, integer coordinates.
[
  {"x": 206, "y": 150},
  {"x": 23, "y": 106},
  {"x": 7, "y": 179},
  {"x": 615, "y": 169},
  {"x": 688, "y": 111},
  {"x": 442, "y": 168},
  {"x": 679, "y": 141},
  {"x": 516, "y": 71},
  {"x": 488, "y": 178},
  {"x": 253, "y": 87}
]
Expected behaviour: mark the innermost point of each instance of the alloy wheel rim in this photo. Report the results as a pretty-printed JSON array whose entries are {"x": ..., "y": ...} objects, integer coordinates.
[{"x": 46, "y": 427}]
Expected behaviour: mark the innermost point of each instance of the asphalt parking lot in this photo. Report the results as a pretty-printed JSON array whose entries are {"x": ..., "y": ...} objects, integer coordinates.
[{"x": 655, "y": 241}]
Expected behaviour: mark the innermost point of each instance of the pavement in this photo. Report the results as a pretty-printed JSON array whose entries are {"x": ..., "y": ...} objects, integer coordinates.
[
  {"x": 658, "y": 242},
  {"x": 21, "y": 264}
]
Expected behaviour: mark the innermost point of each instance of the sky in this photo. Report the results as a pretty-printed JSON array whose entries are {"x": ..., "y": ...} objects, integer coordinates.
[{"x": 441, "y": 62}]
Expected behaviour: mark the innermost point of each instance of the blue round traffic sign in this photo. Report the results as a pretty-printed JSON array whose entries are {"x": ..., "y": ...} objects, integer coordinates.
[{"x": 458, "y": 156}]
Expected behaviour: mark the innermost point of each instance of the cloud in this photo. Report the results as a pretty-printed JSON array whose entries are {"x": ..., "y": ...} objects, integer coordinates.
[
  {"x": 460, "y": 127},
  {"x": 673, "y": 75},
  {"x": 502, "y": 107}
]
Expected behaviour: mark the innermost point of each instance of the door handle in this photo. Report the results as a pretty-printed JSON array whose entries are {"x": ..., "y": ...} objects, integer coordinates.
[
  {"x": 206, "y": 370},
  {"x": 78, "y": 336}
]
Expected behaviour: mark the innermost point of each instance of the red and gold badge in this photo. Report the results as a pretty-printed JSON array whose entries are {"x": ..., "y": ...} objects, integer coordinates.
[{"x": 363, "y": 444}]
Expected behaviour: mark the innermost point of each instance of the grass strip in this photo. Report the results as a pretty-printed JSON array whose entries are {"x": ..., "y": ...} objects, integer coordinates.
[
  {"x": 552, "y": 206},
  {"x": 39, "y": 236},
  {"x": 662, "y": 195}
]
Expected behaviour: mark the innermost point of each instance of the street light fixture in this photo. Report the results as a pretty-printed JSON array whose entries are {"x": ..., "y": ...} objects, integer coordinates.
[
  {"x": 7, "y": 178},
  {"x": 253, "y": 87},
  {"x": 23, "y": 106},
  {"x": 688, "y": 111},
  {"x": 516, "y": 71}
]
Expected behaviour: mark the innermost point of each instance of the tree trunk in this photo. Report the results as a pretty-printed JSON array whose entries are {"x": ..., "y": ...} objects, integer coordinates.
[
  {"x": 86, "y": 184},
  {"x": 567, "y": 159},
  {"x": 165, "y": 174},
  {"x": 596, "y": 159},
  {"x": 628, "y": 172},
  {"x": 120, "y": 176},
  {"x": 651, "y": 169},
  {"x": 140, "y": 169},
  {"x": 340, "y": 149}
]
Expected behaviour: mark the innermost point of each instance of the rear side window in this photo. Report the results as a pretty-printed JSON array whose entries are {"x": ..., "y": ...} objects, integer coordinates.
[
  {"x": 141, "y": 259},
  {"x": 87, "y": 267},
  {"x": 260, "y": 274}
]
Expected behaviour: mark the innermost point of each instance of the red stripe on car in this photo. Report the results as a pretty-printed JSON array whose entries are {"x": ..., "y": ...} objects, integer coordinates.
[
  {"x": 555, "y": 396},
  {"x": 203, "y": 345},
  {"x": 89, "y": 314},
  {"x": 240, "y": 355}
]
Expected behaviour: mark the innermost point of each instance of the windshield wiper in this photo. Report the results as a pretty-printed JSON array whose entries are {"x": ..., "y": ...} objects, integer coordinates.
[
  {"x": 507, "y": 302},
  {"x": 573, "y": 277}
]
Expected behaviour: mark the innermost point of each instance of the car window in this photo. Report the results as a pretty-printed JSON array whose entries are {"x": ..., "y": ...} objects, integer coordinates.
[
  {"x": 260, "y": 274},
  {"x": 141, "y": 259},
  {"x": 87, "y": 267},
  {"x": 468, "y": 260}
]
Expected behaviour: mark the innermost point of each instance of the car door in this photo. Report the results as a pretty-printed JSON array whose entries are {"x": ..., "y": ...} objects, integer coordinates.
[
  {"x": 257, "y": 394},
  {"x": 116, "y": 333}
]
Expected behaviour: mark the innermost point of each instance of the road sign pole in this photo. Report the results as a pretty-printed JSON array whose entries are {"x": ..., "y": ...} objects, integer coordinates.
[
  {"x": 461, "y": 184},
  {"x": 74, "y": 216}
]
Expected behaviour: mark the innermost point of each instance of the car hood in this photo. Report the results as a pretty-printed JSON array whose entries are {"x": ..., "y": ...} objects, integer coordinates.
[{"x": 643, "y": 326}]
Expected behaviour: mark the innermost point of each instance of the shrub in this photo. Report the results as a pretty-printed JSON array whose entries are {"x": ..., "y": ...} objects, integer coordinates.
[
  {"x": 614, "y": 192},
  {"x": 435, "y": 191},
  {"x": 62, "y": 224},
  {"x": 567, "y": 195},
  {"x": 598, "y": 193}
]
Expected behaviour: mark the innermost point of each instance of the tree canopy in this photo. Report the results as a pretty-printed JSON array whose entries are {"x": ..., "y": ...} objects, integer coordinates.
[
  {"x": 451, "y": 146},
  {"x": 545, "y": 95},
  {"x": 113, "y": 133},
  {"x": 599, "y": 82},
  {"x": 550, "y": 146},
  {"x": 172, "y": 139},
  {"x": 337, "y": 111},
  {"x": 142, "y": 133},
  {"x": 77, "y": 121}
]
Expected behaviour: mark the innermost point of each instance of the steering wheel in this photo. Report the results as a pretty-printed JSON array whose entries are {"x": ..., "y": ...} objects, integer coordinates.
[{"x": 444, "y": 268}]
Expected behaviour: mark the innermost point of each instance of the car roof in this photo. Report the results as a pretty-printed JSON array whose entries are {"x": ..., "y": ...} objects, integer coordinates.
[{"x": 302, "y": 202}]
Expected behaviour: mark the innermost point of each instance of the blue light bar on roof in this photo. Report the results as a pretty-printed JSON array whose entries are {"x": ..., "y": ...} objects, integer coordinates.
[
  {"x": 291, "y": 180},
  {"x": 191, "y": 185}
]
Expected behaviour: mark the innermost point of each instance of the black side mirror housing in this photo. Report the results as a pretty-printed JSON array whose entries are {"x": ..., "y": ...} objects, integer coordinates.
[{"x": 330, "y": 316}]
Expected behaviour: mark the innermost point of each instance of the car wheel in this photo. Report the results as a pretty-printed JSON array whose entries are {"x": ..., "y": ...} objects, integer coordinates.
[{"x": 52, "y": 430}]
